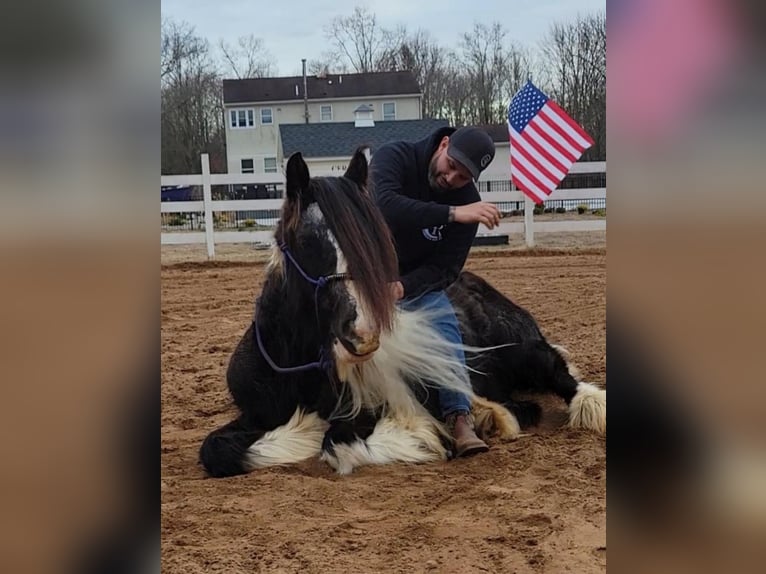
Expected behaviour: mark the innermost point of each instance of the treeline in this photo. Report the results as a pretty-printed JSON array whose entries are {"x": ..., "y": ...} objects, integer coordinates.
[{"x": 471, "y": 84}]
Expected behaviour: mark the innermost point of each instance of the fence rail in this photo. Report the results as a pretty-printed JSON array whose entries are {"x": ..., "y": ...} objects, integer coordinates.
[{"x": 204, "y": 212}]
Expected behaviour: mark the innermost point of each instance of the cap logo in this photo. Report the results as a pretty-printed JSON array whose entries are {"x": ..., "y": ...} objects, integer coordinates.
[{"x": 485, "y": 161}]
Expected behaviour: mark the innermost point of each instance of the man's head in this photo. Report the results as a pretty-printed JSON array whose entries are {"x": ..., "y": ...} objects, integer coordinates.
[{"x": 460, "y": 158}]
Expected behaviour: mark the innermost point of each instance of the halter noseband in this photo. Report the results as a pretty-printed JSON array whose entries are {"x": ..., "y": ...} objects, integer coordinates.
[{"x": 324, "y": 362}]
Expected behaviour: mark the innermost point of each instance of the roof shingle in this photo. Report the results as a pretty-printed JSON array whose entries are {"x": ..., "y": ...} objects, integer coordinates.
[{"x": 340, "y": 139}]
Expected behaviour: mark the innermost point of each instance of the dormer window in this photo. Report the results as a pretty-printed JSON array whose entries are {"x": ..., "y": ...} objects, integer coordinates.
[{"x": 363, "y": 116}]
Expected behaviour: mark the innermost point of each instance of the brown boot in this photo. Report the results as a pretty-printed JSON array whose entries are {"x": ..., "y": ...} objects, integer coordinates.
[{"x": 460, "y": 424}]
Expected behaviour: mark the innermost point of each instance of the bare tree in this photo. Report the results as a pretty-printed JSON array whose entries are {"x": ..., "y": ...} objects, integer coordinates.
[
  {"x": 248, "y": 58},
  {"x": 327, "y": 63},
  {"x": 359, "y": 40},
  {"x": 485, "y": 62},
  {"x": 191, "y": 104},
  {"x": 455, "y": 93},
  {"x": 574, "y": 57},
  {"x": 178, "y": 44},
  {"x": 519, "y": 69},
  {"x": 420, "y": 54}
]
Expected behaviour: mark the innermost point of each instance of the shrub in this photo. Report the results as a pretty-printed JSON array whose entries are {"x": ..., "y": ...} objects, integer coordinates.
[
  {"x": 516, "y": 212},
  {"x": 177, "y": 220},
  {"x": 582, "y": 208},
  {"x": 600, "y": 212},
  {"x": 538, "y": 210},
  {"x": 561, "y": 209},
  {"x": 248, "y": 223}
]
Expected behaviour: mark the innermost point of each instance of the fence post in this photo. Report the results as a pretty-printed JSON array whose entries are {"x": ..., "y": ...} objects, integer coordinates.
[
  {"x": 207, "y": 198},
  {"x": 529, "y": 234}
]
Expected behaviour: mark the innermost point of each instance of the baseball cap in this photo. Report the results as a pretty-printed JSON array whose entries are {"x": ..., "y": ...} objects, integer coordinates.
[{"x": 473, "y": 148}]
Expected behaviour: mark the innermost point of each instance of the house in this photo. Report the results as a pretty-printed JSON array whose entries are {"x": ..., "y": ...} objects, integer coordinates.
[
  {"x": 257, "y": 109},
  {"x": 268, "y": 119},
  {"x": 327, "y": 148}
]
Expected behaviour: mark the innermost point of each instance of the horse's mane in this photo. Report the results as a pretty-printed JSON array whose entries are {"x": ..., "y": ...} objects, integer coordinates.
[
  {"x": 364, "y": 238},
  {"x": 362, "y": 235}
]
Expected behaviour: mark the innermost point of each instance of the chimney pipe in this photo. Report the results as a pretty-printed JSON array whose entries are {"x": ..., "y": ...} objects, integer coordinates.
[{"x": 305, "y": 94}]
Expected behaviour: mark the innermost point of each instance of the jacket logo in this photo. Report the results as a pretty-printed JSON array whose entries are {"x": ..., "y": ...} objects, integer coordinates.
[{"x": 433, "y": 233}]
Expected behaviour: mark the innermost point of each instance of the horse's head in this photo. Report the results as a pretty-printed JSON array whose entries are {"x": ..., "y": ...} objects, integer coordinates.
[{"x": 338, "y": 254}]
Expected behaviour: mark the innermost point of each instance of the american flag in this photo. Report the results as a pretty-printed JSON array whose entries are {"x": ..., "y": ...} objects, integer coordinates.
[{"x": 545, "y": 142}]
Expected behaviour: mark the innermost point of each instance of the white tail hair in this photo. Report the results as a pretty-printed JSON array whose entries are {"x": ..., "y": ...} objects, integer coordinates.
[{"x": 588, "y": 408}]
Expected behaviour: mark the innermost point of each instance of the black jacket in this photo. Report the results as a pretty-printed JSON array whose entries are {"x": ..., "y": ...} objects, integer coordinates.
[{"x": 431, "y": 251}]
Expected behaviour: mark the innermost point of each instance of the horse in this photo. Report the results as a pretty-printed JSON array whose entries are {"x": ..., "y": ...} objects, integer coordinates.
[{"x": 331, "y": 366}]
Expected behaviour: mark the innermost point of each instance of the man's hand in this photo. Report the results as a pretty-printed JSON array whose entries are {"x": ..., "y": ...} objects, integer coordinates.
[
  {"x": 397, "y": 289},
  {"x": 479, "y": 212}
]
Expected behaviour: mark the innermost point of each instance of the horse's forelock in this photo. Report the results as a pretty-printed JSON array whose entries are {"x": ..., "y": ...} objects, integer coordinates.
[{"x": 364, "y": 239}]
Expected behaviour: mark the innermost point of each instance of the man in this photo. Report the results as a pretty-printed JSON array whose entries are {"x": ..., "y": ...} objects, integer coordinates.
[{"x": 427, "y": 194}]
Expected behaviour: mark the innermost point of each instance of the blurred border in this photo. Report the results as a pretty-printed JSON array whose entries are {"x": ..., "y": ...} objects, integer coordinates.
[
  {"x": 685, "y": 95},
  {"x": 79, "y": 162}
]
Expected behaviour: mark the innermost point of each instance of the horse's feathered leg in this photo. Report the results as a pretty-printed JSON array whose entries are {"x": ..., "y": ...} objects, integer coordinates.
[
  {"x": 538, "y": 367},
  {"x": 224, "y": 451}
]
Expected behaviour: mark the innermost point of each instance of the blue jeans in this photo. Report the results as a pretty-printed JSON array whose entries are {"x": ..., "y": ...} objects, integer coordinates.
[{"x": 447, "y": 325}]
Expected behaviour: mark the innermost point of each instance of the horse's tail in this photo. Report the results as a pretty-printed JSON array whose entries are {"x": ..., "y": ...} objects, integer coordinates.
[
  {"x": 224, "y": 451},
  {"x": 587, "y": 409}
]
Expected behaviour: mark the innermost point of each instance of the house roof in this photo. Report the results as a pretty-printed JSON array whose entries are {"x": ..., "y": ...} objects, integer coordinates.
[
  {"x": 340, "y": 139},
  {"x": 498, "y": 132},
  {"x": 328, "y": 86}
]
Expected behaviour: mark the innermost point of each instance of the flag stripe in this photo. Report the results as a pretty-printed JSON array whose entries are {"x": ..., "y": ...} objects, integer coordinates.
[
  {"x": 548, "y": 181},
  {"x": 584, "y": 139},
  {"x": 531, "y": 147},
  {"x": 528, "y": 188},
  {"x": 535, "y": 184},
  {"x": 561, "y": 130},
  {"x": 553, "y": 131},
  {"x": 527, "y": 141},
  {"x": 550, "y": 145}
]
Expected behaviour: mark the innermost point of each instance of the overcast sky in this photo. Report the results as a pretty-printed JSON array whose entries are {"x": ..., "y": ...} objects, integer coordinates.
[{"x": 293, "y": 29}]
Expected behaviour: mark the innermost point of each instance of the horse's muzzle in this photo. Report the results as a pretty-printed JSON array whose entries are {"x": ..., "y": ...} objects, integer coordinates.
[{"x": 356, "y": 348}]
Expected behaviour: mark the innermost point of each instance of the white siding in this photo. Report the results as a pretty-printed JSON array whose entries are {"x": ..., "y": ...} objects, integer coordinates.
[
  {"x": 263, "y": 141},
  {"x": 500, "y": 167}
]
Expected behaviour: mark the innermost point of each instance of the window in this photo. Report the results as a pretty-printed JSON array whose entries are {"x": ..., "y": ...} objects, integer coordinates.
[
  {"x": 266, "y": 117},
  {"x": 247, "y": 166},
  {"x": 325, "y": 113},
  {"x": 389, "y": 111},
  {"x": 241, "y": 118},
  {"x": 270, "y": 165}
]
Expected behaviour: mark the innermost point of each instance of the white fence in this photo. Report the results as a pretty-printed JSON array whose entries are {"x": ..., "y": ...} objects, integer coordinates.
[{"x": 208, "y": 206}]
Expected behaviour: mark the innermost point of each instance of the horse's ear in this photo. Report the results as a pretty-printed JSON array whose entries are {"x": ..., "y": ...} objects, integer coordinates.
[
  {"x": 357, "y": 168},
  {"x": 296, "y": 177}
]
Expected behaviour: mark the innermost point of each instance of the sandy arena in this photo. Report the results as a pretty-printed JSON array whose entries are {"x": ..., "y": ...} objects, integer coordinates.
[{"x": 534, "y": 505}]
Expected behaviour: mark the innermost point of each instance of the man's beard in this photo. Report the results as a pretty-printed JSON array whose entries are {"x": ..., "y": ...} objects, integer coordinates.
[{"x": 433, "y": 177}]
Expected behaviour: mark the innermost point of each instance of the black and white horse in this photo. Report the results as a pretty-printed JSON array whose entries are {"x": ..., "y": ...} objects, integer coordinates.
[{"x": 331, "y": 367}]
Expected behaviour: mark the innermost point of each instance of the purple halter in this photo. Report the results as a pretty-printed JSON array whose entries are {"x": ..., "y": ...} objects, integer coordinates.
[{"x": 324, "y": 361}]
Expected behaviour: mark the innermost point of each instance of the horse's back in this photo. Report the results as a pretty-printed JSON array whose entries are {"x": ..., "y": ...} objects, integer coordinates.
[{"x": 487, "y": 317}]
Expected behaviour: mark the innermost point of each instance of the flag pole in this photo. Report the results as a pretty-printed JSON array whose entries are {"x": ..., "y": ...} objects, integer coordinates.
[{"x": 529, "y": 235}]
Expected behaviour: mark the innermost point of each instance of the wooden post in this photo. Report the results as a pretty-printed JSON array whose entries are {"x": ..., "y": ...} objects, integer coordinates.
[
  {"x": 207, "y": 198},
  {"x": 529, "y": 234}
]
